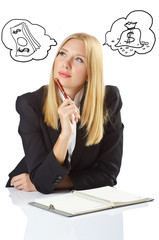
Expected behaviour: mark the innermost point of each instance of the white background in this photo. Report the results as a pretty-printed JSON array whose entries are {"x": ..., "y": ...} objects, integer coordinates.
[{"x": 136, "y": 77}]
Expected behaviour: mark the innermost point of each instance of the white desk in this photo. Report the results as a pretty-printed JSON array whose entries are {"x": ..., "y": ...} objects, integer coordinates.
[{"x": 21, "y": 221}]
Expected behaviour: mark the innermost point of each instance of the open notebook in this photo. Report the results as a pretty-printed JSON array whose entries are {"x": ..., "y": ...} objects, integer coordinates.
[{"x": 87, "y": 201}]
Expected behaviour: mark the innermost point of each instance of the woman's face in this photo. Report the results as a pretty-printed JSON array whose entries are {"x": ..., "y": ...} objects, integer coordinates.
[{"x": 70, "y": 66}]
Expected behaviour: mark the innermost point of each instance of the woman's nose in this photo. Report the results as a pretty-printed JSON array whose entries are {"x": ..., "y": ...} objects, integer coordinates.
[{"x": 67, "y": 63}]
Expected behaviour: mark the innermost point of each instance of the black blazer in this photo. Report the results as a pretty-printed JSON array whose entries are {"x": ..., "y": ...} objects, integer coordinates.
[{"x": 94, "y": 166}]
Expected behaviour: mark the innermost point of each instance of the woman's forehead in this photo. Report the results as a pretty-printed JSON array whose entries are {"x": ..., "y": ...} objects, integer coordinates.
[{"x": 76, "y": 46}]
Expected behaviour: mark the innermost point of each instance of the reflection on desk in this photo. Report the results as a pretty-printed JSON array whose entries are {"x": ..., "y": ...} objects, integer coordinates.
[{"x": 134, "y": 222}]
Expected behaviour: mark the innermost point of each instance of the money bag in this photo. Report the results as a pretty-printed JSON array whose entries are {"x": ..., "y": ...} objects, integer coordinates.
[{"x": 131, "y": 38}]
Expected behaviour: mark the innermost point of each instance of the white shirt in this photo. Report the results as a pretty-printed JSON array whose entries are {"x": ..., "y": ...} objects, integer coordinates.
[{"x": 72, "y": 140}]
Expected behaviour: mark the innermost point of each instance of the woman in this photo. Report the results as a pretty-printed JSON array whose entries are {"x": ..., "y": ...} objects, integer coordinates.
[{"x": 76, "y": 142}]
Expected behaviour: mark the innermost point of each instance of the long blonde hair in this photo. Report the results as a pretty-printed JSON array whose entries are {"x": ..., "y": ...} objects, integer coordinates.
[{"x": 92, "y": 113}]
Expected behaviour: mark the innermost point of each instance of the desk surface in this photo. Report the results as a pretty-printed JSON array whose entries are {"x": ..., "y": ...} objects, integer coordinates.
[{"x": 21, "y": 221}]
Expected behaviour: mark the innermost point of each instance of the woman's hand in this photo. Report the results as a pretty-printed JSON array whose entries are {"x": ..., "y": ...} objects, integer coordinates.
[
  {"x": 23, "y": 182},
  {"x": 68, "y": 113}
]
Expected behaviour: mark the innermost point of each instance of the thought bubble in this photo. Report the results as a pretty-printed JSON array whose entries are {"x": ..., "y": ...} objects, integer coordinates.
[
  {"x": 26, "y": 41},
  {"x": 132, "y": 34}
]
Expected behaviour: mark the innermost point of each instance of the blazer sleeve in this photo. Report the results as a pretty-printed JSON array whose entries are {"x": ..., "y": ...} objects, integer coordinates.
[
  {"x": 107, "y": 166},
  {"x": 44, "y": 170}
]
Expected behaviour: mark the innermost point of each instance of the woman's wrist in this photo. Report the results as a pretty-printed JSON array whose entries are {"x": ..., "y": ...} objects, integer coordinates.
[
  {"x": 60, "y": 148},
  {"x": 64, "y": 137}
]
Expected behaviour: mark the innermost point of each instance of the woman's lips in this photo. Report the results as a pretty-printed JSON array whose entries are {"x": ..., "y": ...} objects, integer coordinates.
[{"x": 64, "y": 74}]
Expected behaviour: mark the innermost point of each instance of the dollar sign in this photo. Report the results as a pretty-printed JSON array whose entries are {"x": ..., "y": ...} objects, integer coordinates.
[
  {"x": 16, "y": 31},
  {"x": 23, "y": 50},
  {"x": 130, "y": 39}
]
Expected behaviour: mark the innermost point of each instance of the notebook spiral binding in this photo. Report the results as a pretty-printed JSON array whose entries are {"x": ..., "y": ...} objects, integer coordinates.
[{"x": 92, "y": 198}]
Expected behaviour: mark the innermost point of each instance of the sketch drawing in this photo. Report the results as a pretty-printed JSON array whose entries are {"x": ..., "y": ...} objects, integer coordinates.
[
  {"x": 132, "y": 34},
  {"x": 26, "y": 41}
]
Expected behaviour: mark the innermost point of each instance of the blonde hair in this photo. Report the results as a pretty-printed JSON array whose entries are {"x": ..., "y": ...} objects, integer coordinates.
[{"x": 92, "y": 113}]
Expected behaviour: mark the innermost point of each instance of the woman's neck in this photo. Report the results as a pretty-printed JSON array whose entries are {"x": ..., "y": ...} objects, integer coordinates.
[{"x": 72, "y": 92}]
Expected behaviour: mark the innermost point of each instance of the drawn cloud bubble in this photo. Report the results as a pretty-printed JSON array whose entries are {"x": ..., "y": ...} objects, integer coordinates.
[
  {"x": 132, "y": 34},
  {"x": 26, "y": 41}
]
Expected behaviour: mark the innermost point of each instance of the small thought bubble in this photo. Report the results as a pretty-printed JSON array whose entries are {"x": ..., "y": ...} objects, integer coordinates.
[
  {"x": 26, "y": 41},
  {"x": 132, "y": 34}
]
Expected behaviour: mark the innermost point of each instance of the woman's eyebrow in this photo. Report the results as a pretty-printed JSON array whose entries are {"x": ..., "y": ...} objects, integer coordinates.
[
  {"x": 77, "y": 54},
  {"x": 64, "y": 49}
]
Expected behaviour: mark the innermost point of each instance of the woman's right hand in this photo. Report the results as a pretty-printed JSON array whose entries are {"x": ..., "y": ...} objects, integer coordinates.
[{"x": 68, "y": 113}]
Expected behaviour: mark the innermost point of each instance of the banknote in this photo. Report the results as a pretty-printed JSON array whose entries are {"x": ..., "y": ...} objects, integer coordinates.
[{"x": 25, "y": 42}]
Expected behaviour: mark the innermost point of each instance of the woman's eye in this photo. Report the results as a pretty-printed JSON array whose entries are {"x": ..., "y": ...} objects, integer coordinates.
[
  {"x": 79, "y": 60},
  {"x": 62, "y": 53}
]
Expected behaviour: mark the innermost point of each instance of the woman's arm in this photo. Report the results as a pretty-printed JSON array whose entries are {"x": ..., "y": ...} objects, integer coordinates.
[
  {"x": 68, "y": 113},
  {"x": 23, "y": 182},
  {"x": 46, "y": 169},
  {"x": 43, "y": 168}
]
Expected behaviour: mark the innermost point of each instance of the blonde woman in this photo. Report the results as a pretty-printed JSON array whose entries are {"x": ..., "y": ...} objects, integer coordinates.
[{"x": 73, "y": 143}]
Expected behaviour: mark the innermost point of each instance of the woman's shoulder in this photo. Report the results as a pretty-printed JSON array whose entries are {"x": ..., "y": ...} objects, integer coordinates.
[
  {"x": 38, "y": 94},
  {"x": 112, "y": 96},
  {"x": 112, "y": 92},
  {"x": 34, "y": 99}
]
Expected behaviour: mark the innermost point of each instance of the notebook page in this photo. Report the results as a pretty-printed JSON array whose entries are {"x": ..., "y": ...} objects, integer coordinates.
[
  {"x": 113, "y": 195},
  {"x": 71, "y": 203}
]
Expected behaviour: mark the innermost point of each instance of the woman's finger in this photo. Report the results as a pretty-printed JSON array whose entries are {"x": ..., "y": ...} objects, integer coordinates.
[
  {"x": 15, "y": 179},
  {"x": 67, "y": 111},
  {"x": 67, "y": 103},
  {"x": 19, "y": 178}
]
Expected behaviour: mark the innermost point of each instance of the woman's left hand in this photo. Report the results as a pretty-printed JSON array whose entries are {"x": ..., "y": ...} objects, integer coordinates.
[{"x": 23, "y": 182}]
